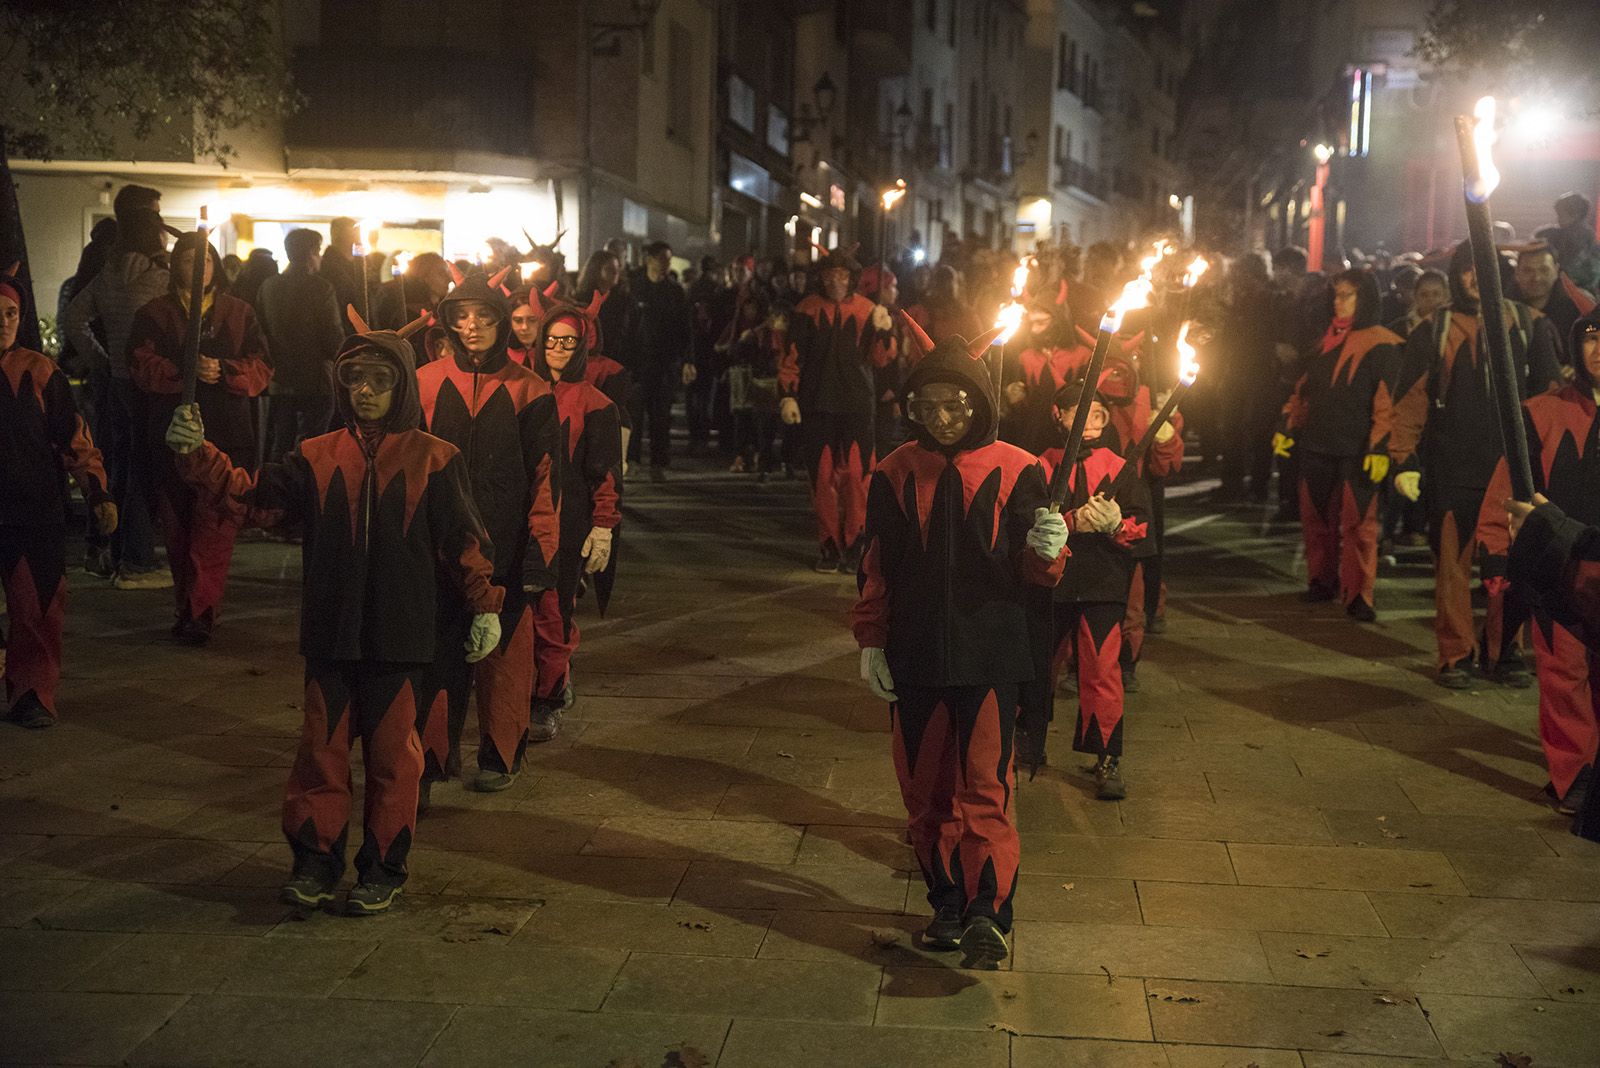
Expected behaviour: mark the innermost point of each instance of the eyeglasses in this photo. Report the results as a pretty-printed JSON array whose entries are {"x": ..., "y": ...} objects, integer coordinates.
[
  {"x": 476, "y": 317},
  {"x": 378, "y": 377},
  {"x": 926, "y": 411},
  {"x": 567, "y": 343}
]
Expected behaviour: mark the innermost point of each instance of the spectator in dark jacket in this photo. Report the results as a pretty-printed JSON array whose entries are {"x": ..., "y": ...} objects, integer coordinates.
[
  {"x": 340, "y": 268},
  {"x": 661, "y": 342},
  {"x": 302, "y": 320}
]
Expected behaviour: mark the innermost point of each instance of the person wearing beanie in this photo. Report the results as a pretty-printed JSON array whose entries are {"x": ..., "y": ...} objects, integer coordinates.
[
  {"x": 1564, "y": 447},
  {"x": 958, "y": 530},
  {"x": 502, "y": 417},
  {"x": 233, "y": 369},
  {"x": 42, "y": 440},
  {"x": 391, "y": 534},
  {"x": 1338, "y": 421},
  {"x": 591, "y": 508},
  {"x": 838, "y": 341}
]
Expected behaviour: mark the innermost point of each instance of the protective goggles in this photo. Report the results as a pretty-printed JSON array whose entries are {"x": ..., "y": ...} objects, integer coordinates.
[
  {"x": 565, "y": 344},
  {"x": 927, "y": 411},
  {"x": 378, "y": 377}
]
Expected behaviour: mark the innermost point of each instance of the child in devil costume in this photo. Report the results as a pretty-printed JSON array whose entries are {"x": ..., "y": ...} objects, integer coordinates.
[
  {"x": 1443, "y": 425},
  {"x": 1564, "y": 446},
  {"x": 1080, "y": 622},
  {"x": 530, "y": 306},
  {"x": 42, "y": 440},
  {"x": 1338, "y": 418},
  {"x": 390, "y": 527},
  {"x": 838, "y": 339},
  {"x": 591, "y": 500},
  {"x": 233, "y": 368},
  {"x": 503, "y": 419},
  {"x": 957, "y": 531}
]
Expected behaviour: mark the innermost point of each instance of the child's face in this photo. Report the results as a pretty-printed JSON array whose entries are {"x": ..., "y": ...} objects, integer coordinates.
[
  {"x": 524, "y": 324},
  {"x": 1093, "y": 426},
  {"x": 942, "y": 408}
]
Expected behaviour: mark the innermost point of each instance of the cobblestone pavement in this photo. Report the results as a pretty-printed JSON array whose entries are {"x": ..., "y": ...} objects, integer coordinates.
[{"x": 1324, "y": 860}]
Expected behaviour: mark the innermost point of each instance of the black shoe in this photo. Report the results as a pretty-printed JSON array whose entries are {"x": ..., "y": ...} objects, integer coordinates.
[
  {"x": 1513, "y": 674},
  {"x": 983, "y": 945},
  {"x": 30, "y": 712},
  {"x": 307, "y": 891},
  {"x": 193, "y": 632},
  {"x": 1454, "y": 677},
  {"x": 944, "y": 931},
  {"x": 369, "y": 899},
  {"x": 1577, "y": 794},
  {"x": 424, "y": 797},
  {"x": 1361, "y": 611},
  {"x": 850, "y": 563},
  {"x": 1028, "y": 745},
  {"x": 827, "y": 561},
  {"x": 452, "y": 764},
  {"x": 97, "y": 562},
  {"x": 1316, "y": 593},
  {"x": 544, "y": 721},
  {"x": 1108, "y": 784},
  {"x": 1130, "y": 679},
  {"x": 1157, "y": 625}
]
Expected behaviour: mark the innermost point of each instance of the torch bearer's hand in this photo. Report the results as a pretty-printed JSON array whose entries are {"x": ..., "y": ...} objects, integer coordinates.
[
  {"x": 1048, "y": 535},
  {"x": 1016, "y": 393},
  {"x": 186, "y": 432},
  {"x": 1099, "y": 515},
  {"x": 1165, "y": 432},
  {"x": 880, "y": 318},
  {"x": 484, "y": 636},
  {"x": 875, "y": 673},
  {"x": 1517, "y": 511},
  {"x": 1376, "y": 465},
  {"x": 596, "y": 550},
  {"x": 1282, "y": 444},
  {"x": 208, "y": 369},
  {"x": 789, "y": 411},
  {"x": 1409, "y": 484},
  {"x": 105, "y": 518}
]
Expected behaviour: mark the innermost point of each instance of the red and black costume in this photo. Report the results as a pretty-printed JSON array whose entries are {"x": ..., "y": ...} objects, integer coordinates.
[
  {"x": 199, "y": 539},
  {"x": 502, "y": 418},
  {"x": 1338, "y": 416},
  {"x": 42, "y": 440},
  {"x": 391, "y": 536},
  {"x": 830, "y": 367},
  {"x": 591, "y": 496},
  {"x": 944, "y": 584},
  {"x": 1564, "y": 445},
  {"x": 1443, "y": 424}
]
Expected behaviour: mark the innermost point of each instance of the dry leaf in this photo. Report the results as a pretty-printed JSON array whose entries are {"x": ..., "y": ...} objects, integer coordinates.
[
  {"x": 1056, "y": 852},
  {"x": 1308, "y": 954},
  {"x": 1009, "y": 995},
  {"x": 786, "y": 756},
  {"x": 884, "y": 939},
  {"x": 1513, "y": 1060},
  {"x": 696, "y": 925},
  {"x": 1391, "y": 835},
  {"x": 1176, "y": 999},
  {"x": 1385, "y": 999},
  {"x": 496, "y": 930},
  {"x": 1004, "y": 1028},
  {"x": 1383, "y": 819},
  {"x": 1334, "y": 1034},
  {"x": 1110, "y": 979},
  {"x": 1419, "y": 886},
  {"x": 686, "y": 1056},
  {"x": 1068, "y": 886},
  {"x": 1539, "y": 1008},
  {"x": 1572, "y": 990}
]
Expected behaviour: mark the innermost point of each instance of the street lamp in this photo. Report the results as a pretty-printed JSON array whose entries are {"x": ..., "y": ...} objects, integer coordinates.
[{"x": 1317, "y": 227}]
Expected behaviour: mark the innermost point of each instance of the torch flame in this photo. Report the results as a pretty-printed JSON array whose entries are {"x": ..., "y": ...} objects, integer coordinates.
[
  {"x": 892, "y": 195},
  {"x": 1009, "y": 321},
  {"x": 402, "y": 260},
  {"x": 1188, "y": 367},
  {"x": 1483, "y": 139},
  {"x": 1019, "y": 277},
  {"x": 369, "y": 231},
  {"x": 1194, "y": 271},
  {"x": 1136, "y": 294}
]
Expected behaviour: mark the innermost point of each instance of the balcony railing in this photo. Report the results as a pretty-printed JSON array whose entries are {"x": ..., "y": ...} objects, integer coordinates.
[{"x": 1072, "y": 173}]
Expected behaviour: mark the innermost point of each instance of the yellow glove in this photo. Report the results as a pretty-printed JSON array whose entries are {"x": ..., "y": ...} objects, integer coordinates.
[
  {"x": 1409, "y": 484},
  {"x": 105, "y": 518},
  {"x": 1281, "y": 444},
  {"x": 1376, "y": 465},
  {"x": 1164, "y": 434},
  {"x": 789, "y": 411}
]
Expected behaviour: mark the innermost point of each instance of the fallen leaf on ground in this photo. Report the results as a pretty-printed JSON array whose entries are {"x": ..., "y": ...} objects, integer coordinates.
[
  {"x": 1308, "y": 954},
  {"x": 496, "y": 930},
  {"x": 696, "y": 925},
  {"x": 1419, "y": 886},
  {"x": 885, "y": 939},
  {"x": 1513, "y": 1060},
  {"x": 1334, "y": 1034},
  {"x": 1009, "y": 995},
  {"x": 1004, "y": 1028},
  {"x": 1110, "y": 979},
  {"x": 786, "y": 756},
  {"x": 1056, "y": 852},
  {"x": 686, "y": 1056},
  {"x": 1572, "y": 990},
  {"x": 1385, "y": 999},
  {"x": 1177, "y": 999},
  {"x": 1387, "y": 833},
  {"x": 1068, "y": 886},
  {"x": 1383, "y": 819}
]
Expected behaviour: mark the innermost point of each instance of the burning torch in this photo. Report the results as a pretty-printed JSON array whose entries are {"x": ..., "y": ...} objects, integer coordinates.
[
  {"x": 366, "y": 240},
  {"x": 1008, "y": 321},
  {"x": 1476, "y": 138},
  {"x": 1188, "y": 371},
  {"x": 197, "y": 286},
  {"x": 888, "y": 198},
  {"x": 402, "y": 261}
]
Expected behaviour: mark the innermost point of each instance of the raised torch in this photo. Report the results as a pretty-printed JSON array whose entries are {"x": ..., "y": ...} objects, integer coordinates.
[
  {"x": 1476, "y": 138},
  {"x": 1188, "y": 371},
  {"x": 1007, "y": 322},
  {"x": 197, "y": 288}
]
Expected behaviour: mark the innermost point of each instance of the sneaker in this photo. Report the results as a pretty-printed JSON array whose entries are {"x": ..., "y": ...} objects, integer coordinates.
[
  {"x": 983, "y": 945},
  {"x": 850, "y": 563},
  {"x": 827, "y": 561},
  {"x": 97, "y": 562},
  {"x": 1130, "y": 679},
  {"x": 492, "y": 782},
  {"x": 1360, "y": 611},
  {"x": 369, "y": 899},
  {"x": 452, "y": 764},
  {"x": 195, "y": 632},
  {"x": 1316, "y": 593},
  {"x": 944, "y": 932},
  {"x": 1108, "y": 784},
  {"x": 1454, "y": 677},
  {"x": 1512, "y": 673},
  {"x": 306, "y": 892},
  {"x": 154, "y": 579},
  {"x": 1572, "y": 804},
  {"x": 1158, "y": 625},
  {"x": 30, "y": 712},
  {"x": 544, "y": 722}
]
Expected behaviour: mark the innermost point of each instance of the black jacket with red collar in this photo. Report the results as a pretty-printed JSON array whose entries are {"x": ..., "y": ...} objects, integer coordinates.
[
  {"x": 1341, "y": 405},
  {"x": 1100, "y": 566},
  {"x": 833, "y": 355},
  {"x": 392, "y": 537},
  {"x": 42, "y": 440},
  {"x": 945, "y": 577}
]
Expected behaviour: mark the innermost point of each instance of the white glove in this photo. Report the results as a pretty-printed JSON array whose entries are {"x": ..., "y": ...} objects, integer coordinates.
[
  {"x": 1099, "y": 516},
  {"x": 186, "y": 432},
  {"x": 875, "y": 673},
  {"x": 597, "y": 550},
  {"x": 1048, "y": 535},
  {"x": 689, "y": 374},
  {"x": 484, "y": 636},
  {"x": 789, "y": 411},
  {"x": 880, "y": 318},
  {"x": 1409, "y": 484}
]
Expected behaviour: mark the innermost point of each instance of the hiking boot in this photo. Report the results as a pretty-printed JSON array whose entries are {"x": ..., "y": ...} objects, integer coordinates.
[
  {"x": 492, "y": 782},
  {"x": 1454, "y": 677},
  {"x": 157, "y": 578},
  {"x": 1108, "y": 784},
  {"x": 1511, "y": 673},
  {"x": 944, "y": 931},
  {"x": 97, "y": 562},
  {"x": 827, "y": 561},
  {"x": 30, "y": 712},
  {"x": 307, "y": 891},
  {"x": 193, "y": 632},
  {"x": 1360, "y": 611},
  {"x": 983, "y": 945},
  {"x": 1316, "y": 593},
  {"x": 369, "y": 899},
  {"x": 1130, "y": 678},
  {"x": 544, "y": 722}
]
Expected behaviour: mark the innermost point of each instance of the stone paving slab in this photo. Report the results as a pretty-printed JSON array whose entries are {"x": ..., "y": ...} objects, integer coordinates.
[
  {"x": 73, "y": 1028},
  {"x": 833, "y": 992},
  {"x": 1399, "y": 964},
  {"x": 753, "y": 1044},
  {"x": 1258, "y": 908},
  {"x": 1031, "y": 1003},
  {"x": 493, "y": 1037},
  {"x": 1479, "y": 1029},
  {"x": 1295, "y": 1018}
]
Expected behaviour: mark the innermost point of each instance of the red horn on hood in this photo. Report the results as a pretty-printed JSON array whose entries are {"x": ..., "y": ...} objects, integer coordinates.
[
  {"x": 1131, "y": 345},
  {"x": 919, "y": 336},
  {"x": 1061, "y": 294},
  {"x": 595, "y": 304},
  {"x": 11, "y": 272},
  {"x": 981, "y": 343},
  {"x": 414, "y": 325},
  {"x": 356, "y": 321},
  {"x": 552, "y": 289},
  {"x": 500, "y": 276},
  {"x": 455, "y": 272},
  {"x": 1086, "y": 337}
]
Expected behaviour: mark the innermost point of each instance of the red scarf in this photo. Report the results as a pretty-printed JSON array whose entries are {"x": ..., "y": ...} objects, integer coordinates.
[{"x": 1338, "y": 330}]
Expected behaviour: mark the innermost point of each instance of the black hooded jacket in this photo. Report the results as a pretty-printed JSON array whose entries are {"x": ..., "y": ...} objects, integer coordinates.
[
  {"x": 943, "y": 582},
  {"x": 391, "y": 532}
]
